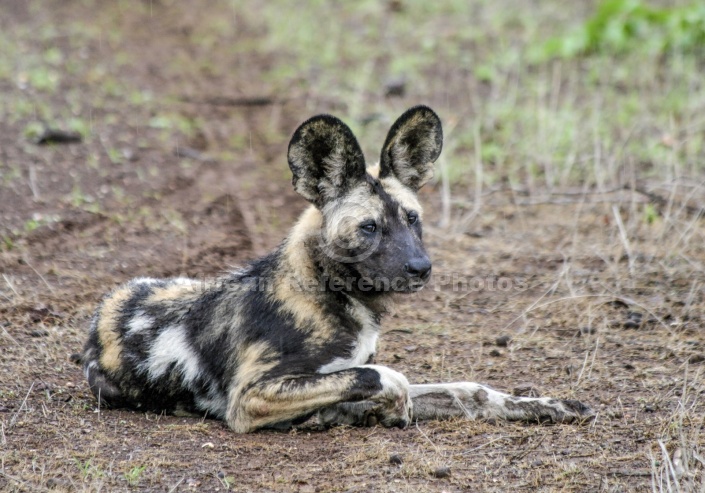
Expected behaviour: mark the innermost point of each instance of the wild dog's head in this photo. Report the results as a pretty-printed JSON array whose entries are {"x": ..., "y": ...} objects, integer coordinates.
[{"x": 371, "y": 234}]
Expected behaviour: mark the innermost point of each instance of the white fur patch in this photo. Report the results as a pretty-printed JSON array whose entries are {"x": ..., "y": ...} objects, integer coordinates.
[
  {"x": 170, "y": 347},
  {"x": 91, "y": 366},
  {"x": 365, "y": 346},
  {"x": 183, "y": 281},
  {"x": 390, "y": 379},
  {"x": 139, "y": 322},
  {"x": 144, "y": 280}
]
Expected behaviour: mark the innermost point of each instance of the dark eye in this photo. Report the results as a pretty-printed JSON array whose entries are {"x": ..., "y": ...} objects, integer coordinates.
[
  {"x": 413, "y": 217},
  {"x": 369, "y": 227}
]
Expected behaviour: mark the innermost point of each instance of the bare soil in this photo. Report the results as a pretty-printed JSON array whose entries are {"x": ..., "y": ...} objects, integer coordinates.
[{"x": 621, "y": 331}]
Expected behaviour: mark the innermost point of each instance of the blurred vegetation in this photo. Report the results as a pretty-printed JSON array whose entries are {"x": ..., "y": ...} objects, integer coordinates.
[
  {"x": 621, "y": 102},
  {"x": 620, "y": 26},
  {"x": 535, "y": 94}
]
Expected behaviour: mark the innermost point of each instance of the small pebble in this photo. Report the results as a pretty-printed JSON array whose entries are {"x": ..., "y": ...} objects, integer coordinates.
[
  {"x": 696, "y": 358},
  {"x": 441, "y": 472},
  {"x": 52, "y": 136},
  {"x": 57, "y": 483},
  {"x": 495, "y": 353},
  {"x": 396, "y": 459},
  {"x": 221, "y": 474},
  {"x": 631, "y": 324},
  {"x": 395, "y": 86},
  {"x": 587, "y": 331},
  {"x": 503, "y": 341},
  {"x": 629, "y": 366}
]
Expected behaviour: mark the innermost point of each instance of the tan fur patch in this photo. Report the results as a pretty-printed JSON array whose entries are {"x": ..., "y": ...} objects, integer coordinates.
[
  {"x": 344, "y": 215},
  {"x": 275, "y": 403},
  {"x": 295, "y": 249},
  {"x": 402, "y": 194},
  {"x": 182, "y": 289},
  {"x": 108, "y": 330},
  {"x": 253, "y": 362},
  {"x": 297, "y": 280},
  {"x": 373, "y": 171}
]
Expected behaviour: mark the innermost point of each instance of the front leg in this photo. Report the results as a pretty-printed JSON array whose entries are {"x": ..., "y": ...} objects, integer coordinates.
[
  {"x": 475, "y": 401},
  {"x": 271, "y": 402},
  {"x": 466, "y": 400}
]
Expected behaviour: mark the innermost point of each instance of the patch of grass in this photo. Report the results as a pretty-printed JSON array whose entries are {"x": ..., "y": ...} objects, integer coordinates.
[
  {"x": 33, "y": 130},
  {"x": 79, "y": 198},
  {"x": 8, "y": 243},
  {"x": 133, "y": 475},
  {"x": 226, "y": 481},
  {"x": 88, "y": 470}
]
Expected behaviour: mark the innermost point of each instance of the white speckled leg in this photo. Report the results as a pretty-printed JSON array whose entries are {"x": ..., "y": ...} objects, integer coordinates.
[
  {"x": 464, "y": 400},
  {"x": 475, "y": 401}
]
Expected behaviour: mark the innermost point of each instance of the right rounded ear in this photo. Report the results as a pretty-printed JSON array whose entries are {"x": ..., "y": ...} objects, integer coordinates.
[
  {"x": 325, "y": 158},
  {"x": 412, "y": 146}
]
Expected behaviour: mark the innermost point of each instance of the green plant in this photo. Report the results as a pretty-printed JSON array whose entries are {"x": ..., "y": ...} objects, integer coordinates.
[
  {"x": 627, "y": 25},
  {"x": 133, "y": 475},
  {"x": 88, "y": 469},
  {"x": 226, "y": 481}
]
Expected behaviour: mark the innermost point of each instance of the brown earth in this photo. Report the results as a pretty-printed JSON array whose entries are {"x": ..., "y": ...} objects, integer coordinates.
[{"x": 619, "y": 330}]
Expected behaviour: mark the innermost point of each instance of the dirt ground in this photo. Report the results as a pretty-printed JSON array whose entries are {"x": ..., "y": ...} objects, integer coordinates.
[{"x": 615, "y": 324}]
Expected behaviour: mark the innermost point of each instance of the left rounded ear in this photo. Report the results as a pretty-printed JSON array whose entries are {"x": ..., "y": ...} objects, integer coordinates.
[
  {"x": 412, "y": 146},
  {"x": 325, "y": 159}
]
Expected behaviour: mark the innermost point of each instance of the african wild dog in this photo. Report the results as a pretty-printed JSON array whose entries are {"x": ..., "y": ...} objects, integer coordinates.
[{"x": 294, "y": 333}]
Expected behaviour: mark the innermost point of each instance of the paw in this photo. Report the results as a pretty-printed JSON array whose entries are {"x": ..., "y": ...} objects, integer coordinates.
[
  {"x": 363, "y": 413},
  {"x": 574, "y": 411},
  {"x": 391, "y": 406},
  {"x": 395, "y": 405}
]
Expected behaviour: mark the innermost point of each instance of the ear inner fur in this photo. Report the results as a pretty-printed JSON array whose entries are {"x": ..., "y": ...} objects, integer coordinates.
[
  {"x": 412, "y": 146},
  {"x": 325, "y": 159}
]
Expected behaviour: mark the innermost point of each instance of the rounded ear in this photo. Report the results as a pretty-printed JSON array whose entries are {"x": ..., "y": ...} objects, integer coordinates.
[
  {"x": 412, "y": 146},
  {"x": 325, "y": 158}
]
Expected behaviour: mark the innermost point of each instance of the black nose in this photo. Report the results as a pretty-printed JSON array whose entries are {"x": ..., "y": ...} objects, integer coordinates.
[{"x": 418, "y": 267}]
